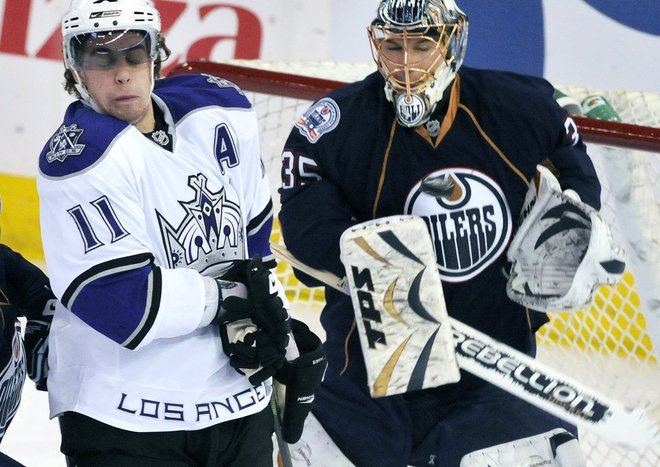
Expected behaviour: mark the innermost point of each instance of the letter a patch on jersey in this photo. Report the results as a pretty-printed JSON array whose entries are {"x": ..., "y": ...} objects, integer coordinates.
[
  {"x": 399, "y": 305},
  {"x": 225, "y": 149}
]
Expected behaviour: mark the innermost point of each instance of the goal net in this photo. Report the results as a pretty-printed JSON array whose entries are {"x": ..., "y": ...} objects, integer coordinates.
[{"x": 610, "y": 345}]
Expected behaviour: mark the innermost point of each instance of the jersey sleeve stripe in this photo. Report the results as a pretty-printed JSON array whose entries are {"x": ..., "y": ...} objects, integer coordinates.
[
  {"x": 131, "y": 284},
  {"x": 258, "y": 232},
  {"x": 257, "y": 222}
]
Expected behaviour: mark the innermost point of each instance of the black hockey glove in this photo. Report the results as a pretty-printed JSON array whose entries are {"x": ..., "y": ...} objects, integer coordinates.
[
  {"x": 36, "y": 345},
  {"x": 302, "y": 378},
  {"x": 265, "y": 309},
  {"x": 254, "y": 329}
]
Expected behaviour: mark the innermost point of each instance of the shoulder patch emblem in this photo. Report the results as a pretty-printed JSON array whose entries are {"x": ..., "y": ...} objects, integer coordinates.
[
  {"x": 65, "y": 143},
  {"x": 221, "y": 82},
  {"x": 320, "y": 118}
]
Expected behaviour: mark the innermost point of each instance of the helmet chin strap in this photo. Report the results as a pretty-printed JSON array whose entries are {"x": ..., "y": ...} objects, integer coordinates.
[
  {"x": 85, "y": 97},
  {"x": 153, "y": 76}
]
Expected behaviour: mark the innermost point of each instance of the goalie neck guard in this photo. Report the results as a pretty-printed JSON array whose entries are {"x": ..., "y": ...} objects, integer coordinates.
[
  {"x": 418, "y": 46},
  {"x": 562, "y": 252}
]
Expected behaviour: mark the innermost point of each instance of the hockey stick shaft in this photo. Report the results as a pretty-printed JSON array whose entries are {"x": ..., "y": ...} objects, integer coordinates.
[
  {"x": 285, "y": 454},
  {"x": 327, "y": 278},
  {"x": 277, "y": 407},
  {"x": 531, "y": 380}
]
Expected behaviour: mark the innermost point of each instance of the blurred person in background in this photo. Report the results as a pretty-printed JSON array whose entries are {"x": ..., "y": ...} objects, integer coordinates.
[{"x": 24, "y": 292}]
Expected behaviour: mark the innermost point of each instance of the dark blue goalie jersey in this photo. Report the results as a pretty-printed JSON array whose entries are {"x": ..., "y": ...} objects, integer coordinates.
[{"x": 347, "y": 161}]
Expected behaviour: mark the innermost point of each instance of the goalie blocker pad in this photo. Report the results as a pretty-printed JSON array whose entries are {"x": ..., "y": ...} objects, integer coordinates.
[
  {"x": 399, "y": 305},
  {"x": 563, "y": 250}
]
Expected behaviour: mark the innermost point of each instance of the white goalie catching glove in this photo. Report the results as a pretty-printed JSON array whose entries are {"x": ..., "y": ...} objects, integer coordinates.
[{"x": 563, "y": 250}]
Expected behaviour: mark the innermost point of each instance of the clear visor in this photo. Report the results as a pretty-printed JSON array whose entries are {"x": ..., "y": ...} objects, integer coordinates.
[
  {"x": 408, "y": 58},
  {"x": 110, "y": 49}
]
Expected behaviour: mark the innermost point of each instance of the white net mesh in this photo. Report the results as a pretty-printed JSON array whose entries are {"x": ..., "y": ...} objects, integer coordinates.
[{"x": 608, "y": 346}]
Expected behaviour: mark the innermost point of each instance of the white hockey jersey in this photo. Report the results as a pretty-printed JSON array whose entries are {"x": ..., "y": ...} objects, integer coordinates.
[{"x": 128, "y": 229}]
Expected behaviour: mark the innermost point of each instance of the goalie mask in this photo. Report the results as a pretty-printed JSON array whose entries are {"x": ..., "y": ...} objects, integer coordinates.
[
  {"x": 104, "y": 24},
  {"x": 562, "y": 252},
  {"x": 418, "y": 46}
]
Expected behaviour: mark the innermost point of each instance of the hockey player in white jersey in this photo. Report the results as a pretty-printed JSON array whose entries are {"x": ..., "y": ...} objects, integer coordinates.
[{"x": 156, "y": 214}]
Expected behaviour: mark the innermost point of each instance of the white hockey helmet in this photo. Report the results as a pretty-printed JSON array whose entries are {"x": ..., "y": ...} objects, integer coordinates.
[
  {"x": 107, "y": 19},
  {"x": 418, "y": 46}
]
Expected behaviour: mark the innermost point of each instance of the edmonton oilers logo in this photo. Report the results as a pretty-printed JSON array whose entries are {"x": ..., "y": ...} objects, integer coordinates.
[
  {"x": 410, "y": 109},
  {"x": 468, "y": 219}
]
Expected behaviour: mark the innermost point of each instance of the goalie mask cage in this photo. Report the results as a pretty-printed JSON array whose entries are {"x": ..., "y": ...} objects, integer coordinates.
[{"x": 610, "y": 345}]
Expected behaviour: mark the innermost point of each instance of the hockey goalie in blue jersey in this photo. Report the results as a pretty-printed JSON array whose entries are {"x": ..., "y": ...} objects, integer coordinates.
[
  {"x": 156, "y": 215},
  {"x": 458, "y": 147}
]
